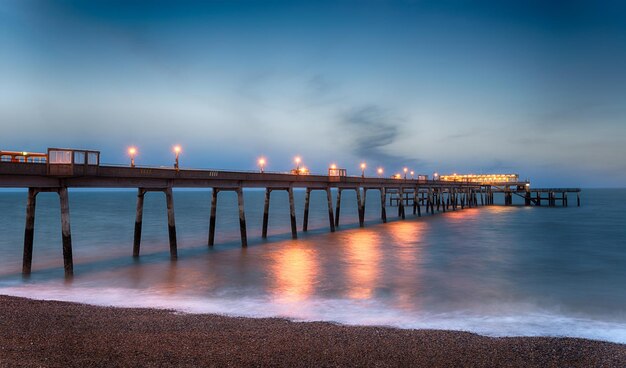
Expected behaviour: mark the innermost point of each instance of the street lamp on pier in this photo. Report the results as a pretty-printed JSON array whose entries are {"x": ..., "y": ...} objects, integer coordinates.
[
  {"x": 132, "y": 151},
  {"x": 177, "y": 150}
]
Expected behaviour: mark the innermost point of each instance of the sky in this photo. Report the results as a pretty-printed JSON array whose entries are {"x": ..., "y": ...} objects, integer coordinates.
[{"x": 536, "y": 88}]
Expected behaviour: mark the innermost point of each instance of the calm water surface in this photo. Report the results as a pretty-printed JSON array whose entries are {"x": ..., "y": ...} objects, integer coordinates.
[{"x": 494, "y": 270}]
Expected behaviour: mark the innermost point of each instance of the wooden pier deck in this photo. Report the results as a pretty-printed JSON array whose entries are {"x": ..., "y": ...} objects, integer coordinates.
[{"x": 433, "y": 195}]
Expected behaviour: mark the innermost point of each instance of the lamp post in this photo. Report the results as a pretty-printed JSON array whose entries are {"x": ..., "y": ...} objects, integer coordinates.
[
  {"x": 131, "y": 152},
  {"x": 412, "y": 174},
  {"x": 262, "y": 164},
  {"x": 297, "y": 160},
  {"x": 405, "y": 171},
  {"x": 177, "y": 152},
  {"x": 363, "y": 169},
  {"x": 380, "y": 172}
]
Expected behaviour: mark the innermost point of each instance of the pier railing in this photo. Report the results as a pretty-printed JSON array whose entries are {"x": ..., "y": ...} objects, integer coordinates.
[{"x": 432, "y": 195}]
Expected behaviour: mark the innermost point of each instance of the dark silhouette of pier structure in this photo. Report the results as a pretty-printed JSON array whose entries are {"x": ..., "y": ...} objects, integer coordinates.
[{"x": 67, "y": 168}]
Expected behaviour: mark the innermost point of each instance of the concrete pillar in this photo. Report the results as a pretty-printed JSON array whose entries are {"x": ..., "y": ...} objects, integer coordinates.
[
  {"x": 292, "y": 214},
  {"x": 266, "y": 212},
  {"x": 242, "y": 218},
  {"x": 68, "y": 263},
  {"x": 432, "y": 202},
  {"x": 415, "y": 200},
  {"x": 383, "y": 209},
  {"x": 463, "y": 199},
  {"x": 29, "y": 231},
  {"x": 363, "y": 204},
  {"x": 331, "y": 220},
  {"x": 171, "y": 223},
  {"x": 443, "y": 200},
  {"x": 578, "y": 199},
  {"x": 338, "y": 209},
  {"x": 360, "y": 206},
  {"x": 138, "y": 222},
  {"x": 214, "y": 193},
  {"x": 401, "y": 203},
  {"x": 438, "y": 198},
  {"x": 307, "y": 198}
]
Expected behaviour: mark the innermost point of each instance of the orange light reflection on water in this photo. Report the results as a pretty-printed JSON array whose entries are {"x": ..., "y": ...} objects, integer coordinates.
[
  {"x": 364, "y": 255},
  {"x": 294, "y": 273},
  {"x": 407, "y": 237}
]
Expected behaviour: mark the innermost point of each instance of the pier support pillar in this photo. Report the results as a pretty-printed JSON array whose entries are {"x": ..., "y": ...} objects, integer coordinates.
[
  {"x": 431, "y": 199},
  {"x": 292, "y": 214},
  {"x": 171, "y": 223},
  {"x": 463, "y": 197},
  {"x": 360, "y": 206},
  {"x": 266, "y": 212},
  {"x": 331, "y": 220},
  {"x": 138, "y": 222},
  {"x": 401, "y": 204},
  {"x": 438, "y": 198},
  {"x": 307, "y": 199},
  {"x": 29, "y": 231},
  {"x": 415, "y": 200},
  {"x": 578, "y": 199},
  {"x": 443, "y": 200},
  {"x": 338, "y": 208},
  {"x": 242, "y": 218},
  {"x": 68, "y": 263},
  {"x": 383, "y": 209},
  {"x": 213, "y": 216}
]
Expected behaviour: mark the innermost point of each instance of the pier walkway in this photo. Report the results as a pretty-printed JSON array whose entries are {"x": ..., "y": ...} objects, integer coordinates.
[{"x": 419, "y": 195}]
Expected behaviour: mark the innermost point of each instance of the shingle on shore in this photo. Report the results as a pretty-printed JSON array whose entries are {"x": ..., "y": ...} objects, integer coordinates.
[{"x": 59, "y": 334}]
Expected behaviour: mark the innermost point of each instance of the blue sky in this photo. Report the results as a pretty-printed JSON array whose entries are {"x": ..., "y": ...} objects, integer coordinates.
[{"x": 532, "y": 87}]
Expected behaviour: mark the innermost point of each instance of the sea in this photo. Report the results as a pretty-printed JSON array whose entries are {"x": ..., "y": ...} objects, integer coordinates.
[{"x": 493, "y": 270}]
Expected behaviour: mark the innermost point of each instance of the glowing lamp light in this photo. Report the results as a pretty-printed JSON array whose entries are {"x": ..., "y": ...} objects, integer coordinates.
[
  {"x": 297, "y": 160},
  {"x": 333, "y": 167},
  {"x": 177, "y": 150},
  {"x": 380, "y": 171},
  {"x": 262, "y": 164},
  {"x": 363, "y": 169},
  {"x": 132, "y": 151}
]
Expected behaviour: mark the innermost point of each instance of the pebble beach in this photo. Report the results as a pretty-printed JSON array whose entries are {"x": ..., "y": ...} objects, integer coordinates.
[{"x": 60, "y": 334}]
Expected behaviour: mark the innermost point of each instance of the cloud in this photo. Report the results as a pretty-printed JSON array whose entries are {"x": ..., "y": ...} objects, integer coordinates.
[{"x": 373, "y": 131}]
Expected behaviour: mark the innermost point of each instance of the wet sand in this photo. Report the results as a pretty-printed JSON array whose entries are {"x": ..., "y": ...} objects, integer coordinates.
[{"x": 59, "y": 334}]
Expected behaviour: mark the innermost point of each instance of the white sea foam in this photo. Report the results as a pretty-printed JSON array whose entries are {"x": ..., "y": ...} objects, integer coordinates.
[{"x": 522, "y": 321}]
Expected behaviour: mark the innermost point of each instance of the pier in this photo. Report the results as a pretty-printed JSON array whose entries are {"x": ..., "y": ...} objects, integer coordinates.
[{"x": 61, "y": 169}]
